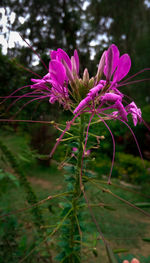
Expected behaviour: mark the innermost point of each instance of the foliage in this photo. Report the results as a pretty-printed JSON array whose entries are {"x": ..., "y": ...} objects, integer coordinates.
[
  {"x": 30, "y": 195},
  {"x": 127, "y": 168},
  {"x": 6, "y": 179}
]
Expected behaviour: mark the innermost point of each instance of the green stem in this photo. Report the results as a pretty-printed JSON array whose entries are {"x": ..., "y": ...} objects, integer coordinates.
[{"x": 76, "y": 197}]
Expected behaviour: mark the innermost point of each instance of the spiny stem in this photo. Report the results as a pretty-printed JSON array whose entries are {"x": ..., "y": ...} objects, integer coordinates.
[{"x": 76, "y": 195}]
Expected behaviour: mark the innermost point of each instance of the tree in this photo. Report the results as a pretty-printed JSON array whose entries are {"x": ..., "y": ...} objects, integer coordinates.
[{"x": 47, "y": 24}]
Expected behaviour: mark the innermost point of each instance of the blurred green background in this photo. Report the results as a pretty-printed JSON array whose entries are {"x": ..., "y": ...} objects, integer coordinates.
[{"x": 90, "y": 27}]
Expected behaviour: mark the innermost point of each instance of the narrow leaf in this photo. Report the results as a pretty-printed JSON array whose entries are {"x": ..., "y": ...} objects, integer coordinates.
[{"x": 120, "y": 250}]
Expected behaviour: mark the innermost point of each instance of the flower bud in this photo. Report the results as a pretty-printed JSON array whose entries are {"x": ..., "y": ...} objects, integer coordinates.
[
  {"x": 74, "y": 67},
  {"x": 100, "y": 67},
  {"x": 86, "y": 77},
  {"x": 91, "y": 83}
]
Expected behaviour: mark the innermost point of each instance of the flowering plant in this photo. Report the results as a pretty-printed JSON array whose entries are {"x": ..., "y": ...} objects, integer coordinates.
[{"x": 86, "y": 98}]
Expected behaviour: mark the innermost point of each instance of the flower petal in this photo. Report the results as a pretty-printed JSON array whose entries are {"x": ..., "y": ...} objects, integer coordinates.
[
  {"x": 116, "y": 55},
  {"x": 57, "y": 71},
  {"x": 112, "y": 97},
  {"x": 94, "y": 91},
  {"x": 112, "y": 59},
  {"x": 82, "y": 104},
  {"x": 121, "y": 110},
  {"x": 109, "y": 64},
  {"x": 63, "y": 55},
  {"x": 53, "y": 54},
  {"x": 123, "y": 68}
]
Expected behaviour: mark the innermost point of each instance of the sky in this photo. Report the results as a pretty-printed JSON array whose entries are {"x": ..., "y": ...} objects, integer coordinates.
[{"x": 14, "y": 37}]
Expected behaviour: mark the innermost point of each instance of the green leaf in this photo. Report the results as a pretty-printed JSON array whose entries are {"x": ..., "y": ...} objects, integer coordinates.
[
  {"x": 13, "y": 178},
  {"x": 146, "y": 239},
  {"x": 90, "y": 174},
  {"x": 60, "y": 256},
  {"x": 120, "y": 250},
  {"x": 2, "y": 175},
  {"x": 108, "y": 207},
  {"x": 63, "y": 243},
  {"x": 24, "y": 159},
  {"x": 143, "y": 204},
  {"x": 95, "y": 252},
  {"x": 69, "y": 168},
  {"x": 69, "y": 178},
  {"x": 70, "y": 186}
]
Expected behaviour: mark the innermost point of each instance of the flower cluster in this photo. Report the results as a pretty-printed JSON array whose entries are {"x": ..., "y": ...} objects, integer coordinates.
[
  {"x": 101, "y": 94},
  {"x": 55, "y": 83},
  {"x": 106, "y": 92}
]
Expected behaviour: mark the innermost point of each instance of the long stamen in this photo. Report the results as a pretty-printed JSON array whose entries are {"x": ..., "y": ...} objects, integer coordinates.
[
  {"x": 131, "y": 82},
  {"x": 136, "y": 74},
  {"x": 134, "y": 139},
  {"x": 113, "y": 158},
  {"x": 34, "y": 52},
  {"x": 32, "y": 121},
  {"x": 21, "y": 97},
  {"x": 29, "y": 70},
  {"x": 39, "y": 98},
  {"x": 146, "y": 125},
  {"x": 86, "y": 139},
  {"x": 14, "y": 93},
  {"x": 117, "y": 118}
]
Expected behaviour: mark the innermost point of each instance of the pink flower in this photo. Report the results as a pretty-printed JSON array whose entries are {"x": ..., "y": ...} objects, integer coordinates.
[
  {"x": 135, "y": 112},
  {"x": 115, "y": 67},
  {"x": 74, "y": 149},
  {"x": 54, "y": 85}
]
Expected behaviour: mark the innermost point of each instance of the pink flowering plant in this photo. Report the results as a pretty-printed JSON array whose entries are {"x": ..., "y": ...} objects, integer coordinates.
[
  {"x": 97, "y": 98},
  {"x": 90, "y": 101}
]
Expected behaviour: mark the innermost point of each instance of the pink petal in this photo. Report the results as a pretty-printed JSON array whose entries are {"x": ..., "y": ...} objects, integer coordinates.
[
  {"x": 101, "y": 63},
  {"x": 109, "y": 64},
  {"x": 111, "y": 97},
  {"x": 116, "y": 55},
  {"x": 74, "y": 149},
  {"x": 112, "y": 58},
  {"x": 57, "y": 71},
  {"x": 52, "y": 99},
  {"x": 63, "y": 55},
  {"x": 36, "y": 80},
  {"x": 123, "y": 68},
  {"x": 82, "y": 104},
  {"x": 121, "y": 110},
  {"x": 53, "y": 54},
  {"x": 95, "y": 90}
]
